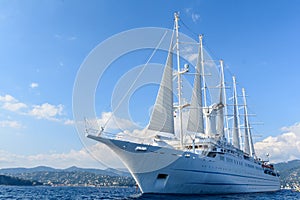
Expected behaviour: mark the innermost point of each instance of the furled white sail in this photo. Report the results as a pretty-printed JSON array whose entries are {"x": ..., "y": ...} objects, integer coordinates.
[
  {"x": 162, "y": 118},
  {"x": 248, "y": 148},
  {"x": 195, "y": 121},
  {"x": 247, "y": 141},
  {"x": 235, "y": 131},
  {"x": 252, "y": 150},
  {"x": 247, "y": 128},
  {"x": 220, "y": 106},
  {"x": 220, "y": 120},
  {"x": 210, "y": 115}
]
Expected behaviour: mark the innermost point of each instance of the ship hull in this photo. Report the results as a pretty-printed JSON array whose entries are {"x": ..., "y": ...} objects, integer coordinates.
[{"x": 161, "y": 170}]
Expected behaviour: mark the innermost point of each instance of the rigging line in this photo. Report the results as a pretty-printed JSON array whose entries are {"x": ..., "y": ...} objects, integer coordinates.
[
  {"x": 154, "y": 51},
  {"x": 210, "y": 52},
  {"x": 206, "y": 47},
  {"x": 214, "y": 55},
  {"x": 188, "y": 28}
]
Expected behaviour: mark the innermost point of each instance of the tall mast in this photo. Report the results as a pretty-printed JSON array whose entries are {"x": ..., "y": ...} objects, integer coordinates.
[
  {"x": 222, "y": 104},
  {"x": 207, "y": 122},
  {"x": 249, "y": 148},
  {"x": 202, "y": 68},
  {"x": 178, "y": 79},
  {"x": 195, "y": 121},
  {"x": 223, "y": 88},
  {"x": 246, "y": 125},
  {"x": 235, "y": 131}
]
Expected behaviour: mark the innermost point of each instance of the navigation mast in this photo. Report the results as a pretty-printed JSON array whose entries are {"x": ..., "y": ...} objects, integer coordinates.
[
  {"x": 223, "y": 90},
  {"x": 249, "y": 148},
  {"x": 179, "y": 72},
  {"x": 206, "y": 109},
  {"x": 235, "y": 133}
]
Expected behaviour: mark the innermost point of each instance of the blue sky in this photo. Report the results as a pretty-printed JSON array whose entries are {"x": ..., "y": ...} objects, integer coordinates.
[{"x": 43, "y": 44}]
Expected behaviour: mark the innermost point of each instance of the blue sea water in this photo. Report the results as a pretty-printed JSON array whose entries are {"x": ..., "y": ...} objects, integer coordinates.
[{"x": 52, "y": 193}]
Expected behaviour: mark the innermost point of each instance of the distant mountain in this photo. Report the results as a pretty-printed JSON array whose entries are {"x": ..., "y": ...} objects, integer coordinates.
[
  {"x": 26, "y": 170},
  {"x": 8, "y": 180},
  {"x": 289, "y": 173},
  {"x": 72, "y": 176},
  {"x": 108, "y": 171},
  {"x": 284, "y": 167},
  {"x": 120, "y": 172},
  {"x": 90, "y": 170}
]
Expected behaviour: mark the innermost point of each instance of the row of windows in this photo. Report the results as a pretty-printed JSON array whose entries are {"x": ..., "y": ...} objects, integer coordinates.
[
  {"x": 248, "y": 165},
  {"x": 230, "y": 160}
]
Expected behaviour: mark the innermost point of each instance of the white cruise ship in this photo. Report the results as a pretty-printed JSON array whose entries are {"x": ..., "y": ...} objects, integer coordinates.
[{"x": 210, "y": 152}]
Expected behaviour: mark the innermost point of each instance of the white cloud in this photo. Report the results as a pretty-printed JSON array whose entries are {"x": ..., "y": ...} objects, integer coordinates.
[
  {"x": 14, "y": 106},
  {"x": 34, "y": 85},
  {"x": 46, "y": 111},
  {"x": 99, "y": 157},
  {"x": 69, "y": 122},
  {"x": 112, "y": 122},
  {"x": 283, "y": 147},
  {"x": 190, "y": 52},
  {"x": 195, "y": 16},
  {"x": 11, "y": 124},
  {"x": 62, "y": 160},
  {"x": 94, "y": 155},
  {"x": 188, "y": 10},
  {"x": 43, "y": 111},
  {"x": 7, "y": 98},
  {"x": 192, "y": 57}
]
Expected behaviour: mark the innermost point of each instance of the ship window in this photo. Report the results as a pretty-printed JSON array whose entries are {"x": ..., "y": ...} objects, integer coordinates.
[
  {"x": 162, "y": 176},
  {"x": 211, "y": 154}
]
